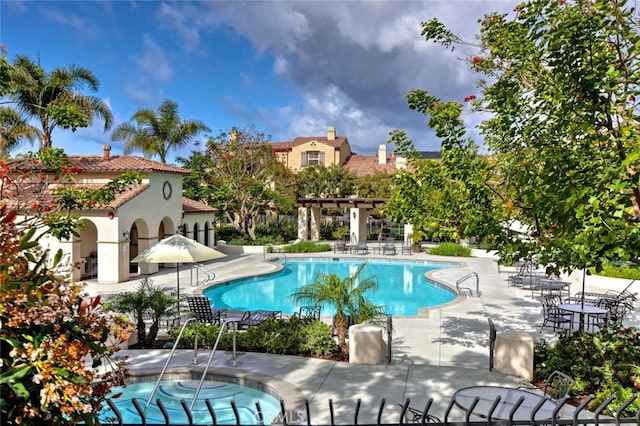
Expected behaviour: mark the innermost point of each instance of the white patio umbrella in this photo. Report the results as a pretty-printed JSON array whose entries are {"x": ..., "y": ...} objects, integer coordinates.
[{"x": 177, "y": 249}]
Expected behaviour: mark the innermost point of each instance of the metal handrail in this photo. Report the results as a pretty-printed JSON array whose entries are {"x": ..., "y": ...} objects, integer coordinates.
[
  {"x": 210, "y": 275},
  {"x": 224, "y": 324},
  {"x": 195, "y": 354},
  {"x": 166, "y": 364},
  {"x": 467, "y": 277}
]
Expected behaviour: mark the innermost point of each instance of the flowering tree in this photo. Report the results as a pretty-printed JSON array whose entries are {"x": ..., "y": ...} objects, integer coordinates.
[
  {"x": 241, "y": 176},
  {"x": 562, "y": 79},
  {"x": 53, "y": 337}
]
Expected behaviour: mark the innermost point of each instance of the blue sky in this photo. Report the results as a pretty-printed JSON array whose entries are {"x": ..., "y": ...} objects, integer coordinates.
[{"x": 288, "y": 68}]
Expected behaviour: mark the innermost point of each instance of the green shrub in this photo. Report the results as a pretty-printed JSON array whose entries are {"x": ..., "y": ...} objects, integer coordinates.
[
  {"x": 307, "y": 247},
  {"x": 607, "y": 365},
  {"x": 627, "y": 272},
  {"x": 450, "y": 249},
  {"x": 207, "y": 335},
  {"x": 292, "y": 336},
  {"x": 227, "y": 233}
]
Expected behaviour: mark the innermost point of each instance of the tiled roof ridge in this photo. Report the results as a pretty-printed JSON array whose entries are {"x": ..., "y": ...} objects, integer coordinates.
[{"x": 100, "y": 164}]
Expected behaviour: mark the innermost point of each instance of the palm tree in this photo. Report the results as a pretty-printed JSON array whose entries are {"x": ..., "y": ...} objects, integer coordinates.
[
  {"x": 347, "y": 296},
  {"x": 150, "y": 301},
  {"x": 14, "y": 130},
  {"x": 155, "y": 134},
  {"x": 54, "y": 99}
]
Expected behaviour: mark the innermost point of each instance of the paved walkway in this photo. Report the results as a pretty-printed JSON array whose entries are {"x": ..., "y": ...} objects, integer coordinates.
[{"x": 434, "y": 354}]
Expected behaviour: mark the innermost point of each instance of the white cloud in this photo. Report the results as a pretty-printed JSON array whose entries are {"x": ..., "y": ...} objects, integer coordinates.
[
  {"x": 153, "y": 61},
  {"x": 280, "y": 67}
]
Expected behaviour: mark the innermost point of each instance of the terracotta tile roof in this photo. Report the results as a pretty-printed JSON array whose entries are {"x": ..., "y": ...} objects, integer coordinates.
[
  {"x": 364, "y": 165},
  {"x": 33, "y": 192},
  {"x": 281, "y": 146},
  {"x": 98, "y": 164},
  {"x": 193, "y": 206}
]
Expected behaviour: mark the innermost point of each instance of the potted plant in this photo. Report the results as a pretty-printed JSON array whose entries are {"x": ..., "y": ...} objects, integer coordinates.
[{"x": 416, "y": 239}]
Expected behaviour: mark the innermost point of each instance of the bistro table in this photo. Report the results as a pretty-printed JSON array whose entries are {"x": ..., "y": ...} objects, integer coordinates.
[
  {"x": 582, "y": 309},
  {"x": 509, "y": 397}
]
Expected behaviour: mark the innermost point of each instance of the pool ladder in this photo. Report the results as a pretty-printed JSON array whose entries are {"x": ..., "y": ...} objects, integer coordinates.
[
  {"x": 225, "y": 324},
  {"x": 467, "y": 277}
]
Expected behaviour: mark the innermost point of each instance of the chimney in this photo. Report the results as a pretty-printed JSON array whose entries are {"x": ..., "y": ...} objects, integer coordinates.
[
  {"x": 331, "y": 133},
  {"x": 401, "y": 163},
  {"x": 382, "y": 154},
  {"x": 105, "y": 152},
  {"x": 234, "y": 135}
]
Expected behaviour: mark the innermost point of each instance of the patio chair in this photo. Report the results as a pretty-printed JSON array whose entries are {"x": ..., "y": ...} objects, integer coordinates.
[
  {"x": 202, "y": 310},
  {"x": 255, "y": 318},
  {"x": 414, "y": 416},
  {"x": 406, "y": 248},
  {"x": 340, "y": 246},
  {"x": 557, "y": 386},
  {"x": 492, "y": 342},
  {"x": 389, "y": 246},
  {"x": 309, "y": 312},
  {"x": 362, "y": 247},
  {"x": 552, "y": 315}
]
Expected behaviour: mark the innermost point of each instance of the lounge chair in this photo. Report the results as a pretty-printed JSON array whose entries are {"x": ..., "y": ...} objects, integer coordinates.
[
  {"x": 202, "y": 310},
  {"x": 389, "y": 246},
  {"x": 255, "y": 318}
]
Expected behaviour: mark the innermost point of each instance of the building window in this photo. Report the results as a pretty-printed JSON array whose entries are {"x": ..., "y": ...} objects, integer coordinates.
[{"x": 312, "y": 158}]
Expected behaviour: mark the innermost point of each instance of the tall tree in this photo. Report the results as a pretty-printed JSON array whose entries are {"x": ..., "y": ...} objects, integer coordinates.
[
  {"x": 14, "y": 130},
  {"x": 563, "y": 133},
  {"x": 54, "y": 98},
  {"x": 240, "y": 175},
  {"x": 157, "y": 133},
  {"x": 321, "y": 181}
]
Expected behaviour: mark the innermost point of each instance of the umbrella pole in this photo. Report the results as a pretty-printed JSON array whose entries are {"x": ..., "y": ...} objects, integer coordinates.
[{"x": 178, "y": 287}]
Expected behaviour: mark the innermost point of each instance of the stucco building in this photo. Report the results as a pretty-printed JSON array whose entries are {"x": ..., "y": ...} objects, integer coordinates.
[{"x": 112, "y": 235}]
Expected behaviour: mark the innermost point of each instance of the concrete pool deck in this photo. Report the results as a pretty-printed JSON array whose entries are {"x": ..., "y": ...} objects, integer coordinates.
[{"x": 433, "y": 355}]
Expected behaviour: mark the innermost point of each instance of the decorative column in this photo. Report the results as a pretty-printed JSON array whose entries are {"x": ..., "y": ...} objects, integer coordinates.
[
  {"x": 303, "y": 220},
  {"x": 315, "y": 224},
  {"x": 358, "y": 224}
]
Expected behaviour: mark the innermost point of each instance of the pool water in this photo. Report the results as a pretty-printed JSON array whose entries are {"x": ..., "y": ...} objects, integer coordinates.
[
  {"x": 402, "y": 286},
  {"x": 219, "y": 394}
]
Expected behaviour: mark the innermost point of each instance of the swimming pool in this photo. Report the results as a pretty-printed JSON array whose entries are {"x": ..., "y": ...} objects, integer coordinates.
[
  {"x": 219, "y": 394},
  {"x": 402, "y": 287}
]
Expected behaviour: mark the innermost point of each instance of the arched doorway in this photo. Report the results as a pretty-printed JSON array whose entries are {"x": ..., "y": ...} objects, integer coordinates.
[{"x": 196, "y": 231}]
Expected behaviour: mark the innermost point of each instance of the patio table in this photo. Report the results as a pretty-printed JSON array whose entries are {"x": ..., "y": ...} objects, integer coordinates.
[
  {"x": 582, "y": 310},
  {"x": 509, "y": 399}
]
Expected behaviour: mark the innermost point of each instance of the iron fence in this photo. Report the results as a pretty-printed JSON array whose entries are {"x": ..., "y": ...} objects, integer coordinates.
[{"x": 405, "y": 414}]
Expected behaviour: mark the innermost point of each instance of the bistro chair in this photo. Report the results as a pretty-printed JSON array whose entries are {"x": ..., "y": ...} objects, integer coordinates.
[
  {"x": 414, "y": 416},
  {"x": 557, "y": 386},
  {"x": 492, "y": 343},
  {"x": 554, "y": 316}
]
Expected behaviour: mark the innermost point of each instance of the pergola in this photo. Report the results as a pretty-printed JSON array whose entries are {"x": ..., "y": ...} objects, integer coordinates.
[{"x": 309, "y": 215}]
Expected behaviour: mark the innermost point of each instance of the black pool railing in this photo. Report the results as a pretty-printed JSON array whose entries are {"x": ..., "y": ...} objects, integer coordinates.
[{"x": 406, "y": 415}]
